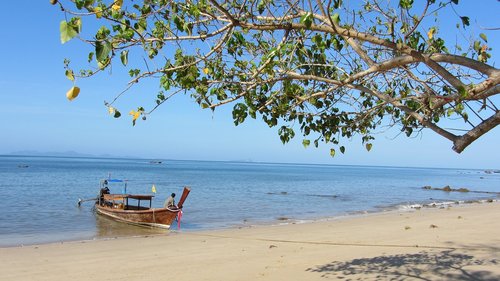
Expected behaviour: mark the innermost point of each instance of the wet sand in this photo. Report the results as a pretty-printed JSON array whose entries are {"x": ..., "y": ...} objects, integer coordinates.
[{"x": 461, "y": 242}]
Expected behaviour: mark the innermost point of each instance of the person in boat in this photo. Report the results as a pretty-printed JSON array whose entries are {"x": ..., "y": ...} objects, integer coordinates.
[
  {"x": 170, "y": 202},
  {"x": 104, "y": 190}
]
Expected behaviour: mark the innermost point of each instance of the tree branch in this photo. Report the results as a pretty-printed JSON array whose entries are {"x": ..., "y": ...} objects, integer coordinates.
[{"x": 461, "y": 142}]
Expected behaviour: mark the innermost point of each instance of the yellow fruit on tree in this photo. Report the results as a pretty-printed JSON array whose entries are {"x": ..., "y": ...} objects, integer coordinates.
[{"x": 73, "y": 93}]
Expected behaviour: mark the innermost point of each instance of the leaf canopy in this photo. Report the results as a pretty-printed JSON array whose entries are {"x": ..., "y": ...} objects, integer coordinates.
[{"x": 328, "y": 70}]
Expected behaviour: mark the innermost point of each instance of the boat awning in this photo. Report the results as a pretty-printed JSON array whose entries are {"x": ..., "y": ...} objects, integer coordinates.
[
  {"x": 115, "y": 197},
  {"x": 140, "y": 196},
  {"x": 115, "y": 180}
]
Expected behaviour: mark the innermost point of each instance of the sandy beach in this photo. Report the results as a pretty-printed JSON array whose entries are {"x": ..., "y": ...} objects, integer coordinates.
[{"x": 461, "y": 242}]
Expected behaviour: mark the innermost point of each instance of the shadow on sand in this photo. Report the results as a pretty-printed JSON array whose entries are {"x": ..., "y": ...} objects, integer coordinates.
[{"x": 443, "y": 265}]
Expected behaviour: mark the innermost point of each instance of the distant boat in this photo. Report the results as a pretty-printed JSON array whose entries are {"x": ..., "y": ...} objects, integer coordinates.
[
  {"x": 22, "y": 166},
  {"x": 128, "y": 208},
  {"x": 155, "y": 162}
]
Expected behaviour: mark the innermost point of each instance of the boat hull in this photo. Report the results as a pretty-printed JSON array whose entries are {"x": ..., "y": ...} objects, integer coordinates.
[{"x": 155, "y": 217}]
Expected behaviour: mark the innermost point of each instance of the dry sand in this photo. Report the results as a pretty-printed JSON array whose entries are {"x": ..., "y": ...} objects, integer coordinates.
[{"x": 457, "y": 243}]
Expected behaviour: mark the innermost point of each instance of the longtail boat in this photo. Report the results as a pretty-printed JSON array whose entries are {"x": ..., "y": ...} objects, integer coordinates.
[{"x": 136, "y": 209}]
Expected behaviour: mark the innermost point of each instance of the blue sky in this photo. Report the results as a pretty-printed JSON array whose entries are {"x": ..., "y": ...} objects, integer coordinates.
[{"x": 37, "y": 116}]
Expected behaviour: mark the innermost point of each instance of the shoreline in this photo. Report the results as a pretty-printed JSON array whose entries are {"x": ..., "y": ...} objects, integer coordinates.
[
  {"x": 460, "y": 242},
  {"x": 398, "y": 208}
]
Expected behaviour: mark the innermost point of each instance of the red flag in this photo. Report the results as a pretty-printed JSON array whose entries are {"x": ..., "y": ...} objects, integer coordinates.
[{"x": 179, "y": 216}]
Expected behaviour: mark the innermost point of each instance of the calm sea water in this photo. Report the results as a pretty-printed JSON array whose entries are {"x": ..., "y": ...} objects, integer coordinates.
[{"x": 39, "y": 195}]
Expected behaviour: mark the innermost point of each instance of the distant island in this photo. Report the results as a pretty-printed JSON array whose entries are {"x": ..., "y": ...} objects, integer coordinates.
[{"x": 66, "y": 154}]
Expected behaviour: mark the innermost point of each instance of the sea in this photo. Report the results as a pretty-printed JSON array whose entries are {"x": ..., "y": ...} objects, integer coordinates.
[{"x": 39, "y": 195}]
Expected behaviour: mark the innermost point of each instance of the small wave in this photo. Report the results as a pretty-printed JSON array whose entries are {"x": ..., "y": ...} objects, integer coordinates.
[
  {"x": 434, "y": 204},
  {"x": 410, "y": 206},
  {"x": 442, "y": 204}
]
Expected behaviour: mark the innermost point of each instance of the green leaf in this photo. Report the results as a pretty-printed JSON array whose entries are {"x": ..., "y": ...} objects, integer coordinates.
[
  {"x": 195, "y": 11},
  {"x": 342, "y": 149},
  {"x": 286, "y": 134},
  {"x": 69, "y": 29},
  {"x": 103, "y": 64},
  {"x": 83, "y": 3},
  {"x": 179, "y": 23},
  {"x": 336, "y": 18},
  {"x": 462, "y": 92},
  {"x": 408, "y": 131},
  {"x": 483, "y": 36},
  {"x": 134, "y": 72},
  {"x": 261, "y": 7},
  {"x": 102, "y": 33},
  {"x": 337, "y": 4},
  {"x": 124, "y": 57},
  {"x": 465, "y": 116},
  {"x": 337, "y": 45},
  {"x": 240, "y": 113},
  {"x": 306, "y": 143},
  {"x": 477, "y": 46},
  {"x": 69, "y": 74},
  {"x": 406, "y": 4},
  {"x": 465, "y": 21},
  {"x": 188, "y": 27},
  {"x": 332, "y": 152},
  {"x": 307, "y": 20},
  {"x": 368, "y": 146},
  {"x": 102, "y": 50},
  {"x": 79, "y": 4}
]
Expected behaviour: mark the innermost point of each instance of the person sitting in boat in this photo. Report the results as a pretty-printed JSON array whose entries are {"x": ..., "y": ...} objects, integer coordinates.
[
  {"x": 170, "y": 202},
  {"x": 104, "y": 190}
]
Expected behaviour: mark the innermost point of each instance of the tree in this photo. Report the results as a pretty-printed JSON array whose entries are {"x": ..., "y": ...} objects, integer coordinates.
[{"x": 329, "y": 69}]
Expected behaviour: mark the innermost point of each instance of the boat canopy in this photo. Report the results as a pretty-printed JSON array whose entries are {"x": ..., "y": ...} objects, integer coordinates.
[
  {"x": 104, "y": 183},
  {"x": 126, "y": 196},
  {"x": 114, "y": 180}
]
